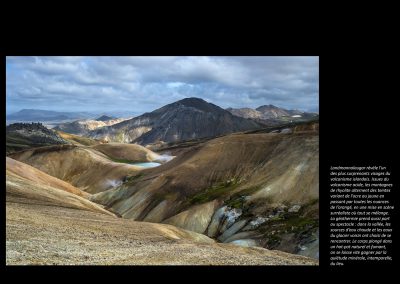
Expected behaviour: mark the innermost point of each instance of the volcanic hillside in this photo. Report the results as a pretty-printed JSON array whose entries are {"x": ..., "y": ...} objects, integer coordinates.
[
  {"x": 256, "y": 189},
  {"x": 233, "y": 188},
  {"x": 83, "y": 167},
  {"x": 26, "y": 184}
]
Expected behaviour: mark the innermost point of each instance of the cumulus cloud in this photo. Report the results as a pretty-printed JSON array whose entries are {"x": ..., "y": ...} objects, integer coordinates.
[{"x": 142, "y": 84}]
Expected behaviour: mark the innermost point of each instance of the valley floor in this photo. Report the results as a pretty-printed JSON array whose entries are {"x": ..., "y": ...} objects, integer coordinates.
[{"x": 38, "y": 234}]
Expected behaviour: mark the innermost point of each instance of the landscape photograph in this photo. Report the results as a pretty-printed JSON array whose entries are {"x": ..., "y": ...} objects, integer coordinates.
[{"x": 162, "y": 160}]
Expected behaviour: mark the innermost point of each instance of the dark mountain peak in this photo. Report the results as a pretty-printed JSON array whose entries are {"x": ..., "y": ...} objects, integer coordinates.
[
  {"x": 190, "y": 118},
  {"x": 192, "y": 100},
  {"x": 195, "y": 103},
  {"x": 104, "y": 118}
]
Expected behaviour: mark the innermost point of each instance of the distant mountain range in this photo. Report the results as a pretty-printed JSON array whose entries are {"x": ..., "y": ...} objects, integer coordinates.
[
  {"x": 266, "y": 112},
  {"x": 190, "y": 118},
  {"x": 271, "y": 115},
  {"x": 46, "y": 115},
  {"x": 187, "y": 119}
]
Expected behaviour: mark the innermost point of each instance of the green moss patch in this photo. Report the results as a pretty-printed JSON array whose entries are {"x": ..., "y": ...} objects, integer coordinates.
[
  {"x": 299, "y": 224},
  {"x": 286, "y": 223},
  {"x": 218, "y": 190},
  {"x": 130, "y": 180},
  {"x": 238, "y": 199}
]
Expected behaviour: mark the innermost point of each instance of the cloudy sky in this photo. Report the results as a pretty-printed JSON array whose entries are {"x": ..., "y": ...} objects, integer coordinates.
[{"x": 142, "y": 84}]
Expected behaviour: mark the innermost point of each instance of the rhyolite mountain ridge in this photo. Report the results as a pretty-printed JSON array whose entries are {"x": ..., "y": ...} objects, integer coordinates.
[
  {"x": 82, "y": 127},
  {"x": 270, "y": 115},
  {"x": 190, "y": 118}
]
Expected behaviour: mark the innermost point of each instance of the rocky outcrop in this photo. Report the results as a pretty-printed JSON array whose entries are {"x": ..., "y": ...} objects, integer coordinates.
[
  {"x": 216, "y": 221},
  {"x": 20, "y": 136},
  {"x": 232, "y": 230}
]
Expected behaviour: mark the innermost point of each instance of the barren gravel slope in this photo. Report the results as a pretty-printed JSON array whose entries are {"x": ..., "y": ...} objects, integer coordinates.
[{"x": 38, "y": 234}]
